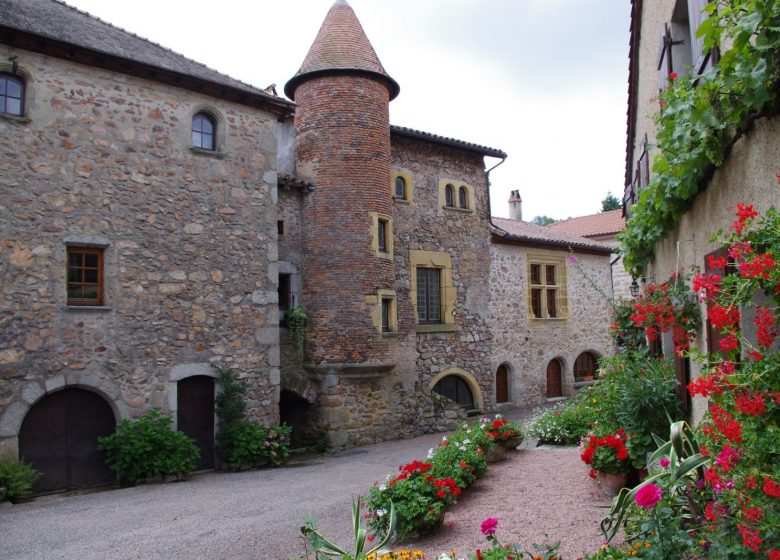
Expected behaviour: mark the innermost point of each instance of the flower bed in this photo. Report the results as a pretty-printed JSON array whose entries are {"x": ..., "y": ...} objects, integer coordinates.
[{"x": 423, "y": 490}]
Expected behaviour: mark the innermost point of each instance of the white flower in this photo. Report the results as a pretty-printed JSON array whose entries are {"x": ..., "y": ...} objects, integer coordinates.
[
  {"x": 498, "y": 416},
  {"x": 468, "y": 431},
  {"x": 388, "y": 477},
  {"x": 466, "y": 441},
  {"x": 444, "y": 438},
  {"x": 382, "y": 488},
  {"x": 430, "y": 453},
  {"x": 380, "y": 512}
]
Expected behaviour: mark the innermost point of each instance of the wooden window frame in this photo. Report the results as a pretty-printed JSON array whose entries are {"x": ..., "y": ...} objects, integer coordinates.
[
  {"x": 203, "y": 116},
  {"x": 6, "y": 77},
  {"x": 99, "y": 301},
  {"x": 424, "y": 296}
]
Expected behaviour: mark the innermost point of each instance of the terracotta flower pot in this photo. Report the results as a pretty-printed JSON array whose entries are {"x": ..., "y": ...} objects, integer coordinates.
[
  {"x": 496, "y": 453},
  {"x": 511, "y": 444},
  {"x": 611, "y": 483}
]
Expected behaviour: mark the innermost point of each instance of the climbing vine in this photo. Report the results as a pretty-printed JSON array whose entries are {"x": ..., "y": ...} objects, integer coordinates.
[{"x": 700, "y": 117}]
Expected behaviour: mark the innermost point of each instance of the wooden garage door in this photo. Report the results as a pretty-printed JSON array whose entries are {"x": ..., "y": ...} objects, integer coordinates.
[
  {"x": 59, "y": 438},
  {"x": 195, "y": 415}
]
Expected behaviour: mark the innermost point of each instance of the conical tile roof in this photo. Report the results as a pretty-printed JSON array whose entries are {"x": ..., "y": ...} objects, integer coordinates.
[{"x": 341, "y": 47}]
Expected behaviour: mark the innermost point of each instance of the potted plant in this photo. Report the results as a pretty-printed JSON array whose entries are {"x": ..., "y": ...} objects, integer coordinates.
[{"x": 608, "y": 458}]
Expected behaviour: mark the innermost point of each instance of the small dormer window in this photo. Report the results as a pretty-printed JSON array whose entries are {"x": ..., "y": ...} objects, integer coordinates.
[
  {"x": 11, "y": 95},
  {"x": 203, "y": 132},
  {"x": 463, "y": 198},
  {"x": 449, "y": 196}
]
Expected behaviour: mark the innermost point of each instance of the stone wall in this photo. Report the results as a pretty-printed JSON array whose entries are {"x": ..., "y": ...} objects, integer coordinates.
[
  {"x": 525, "y": 345},
  {"x": 190, "y": 242}
]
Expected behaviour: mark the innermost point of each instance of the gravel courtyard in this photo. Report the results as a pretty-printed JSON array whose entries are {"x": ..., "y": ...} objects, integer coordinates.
[{"x": 256, "y": 514}]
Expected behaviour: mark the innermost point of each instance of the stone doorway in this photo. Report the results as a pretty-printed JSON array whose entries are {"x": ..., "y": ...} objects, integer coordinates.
[
  {"x": 301, "y": 415},
  {"x": 59, "y": 438},
  {"x": 195, "y": 415}
]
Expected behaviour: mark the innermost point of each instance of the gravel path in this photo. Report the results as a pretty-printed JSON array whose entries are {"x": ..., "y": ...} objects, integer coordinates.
[{"x": 256, "y": 514}]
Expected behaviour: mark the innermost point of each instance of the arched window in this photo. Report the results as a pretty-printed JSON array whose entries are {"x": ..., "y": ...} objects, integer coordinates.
[
  {"x": 400, "y": 188},
  {"x": 11, "y": 95},
  {"x": 203, "y": 132},
  {"x": 449, "y": 196},
  {"x": 585, "y": 366},
  {"x": 455, "y": 388},
  {"x": 463, "y": 198}
]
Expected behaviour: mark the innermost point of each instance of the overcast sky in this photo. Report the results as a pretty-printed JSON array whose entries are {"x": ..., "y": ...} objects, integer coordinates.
[{"x": 543, "y": 80}]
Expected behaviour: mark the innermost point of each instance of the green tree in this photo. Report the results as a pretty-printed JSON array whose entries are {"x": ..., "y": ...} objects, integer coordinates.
[
  {"x": 542, "y": 220},
  {"x": 610, "y": 202}
]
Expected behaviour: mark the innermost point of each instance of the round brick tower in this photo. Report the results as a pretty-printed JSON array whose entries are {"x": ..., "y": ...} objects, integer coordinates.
[{"x": 342, "y": 145}]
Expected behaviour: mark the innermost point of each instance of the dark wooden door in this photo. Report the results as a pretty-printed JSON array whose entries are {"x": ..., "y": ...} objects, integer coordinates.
[
  {"x": 682, "y": 368},
  {"x": 59, "y": 438},
  {"x": 502, "y": 384},
  {"x": 554, "y": 388},
  {"x": 195, "y": 415}
]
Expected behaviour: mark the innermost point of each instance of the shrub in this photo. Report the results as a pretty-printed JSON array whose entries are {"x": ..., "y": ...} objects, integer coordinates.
[
  {"x": 230, "y": 409},
  {"x": 253, "y": 445},
  {"x": 147, "y": 448},
  {"x": 17, "y": 478},
  {"x": 564, "y": 424}
]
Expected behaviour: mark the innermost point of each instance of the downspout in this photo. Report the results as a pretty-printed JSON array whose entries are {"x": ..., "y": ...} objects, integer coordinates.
[{"x": 487, "y": 178}]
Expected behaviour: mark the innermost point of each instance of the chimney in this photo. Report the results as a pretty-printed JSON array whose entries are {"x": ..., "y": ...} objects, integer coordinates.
[{"x": 515, "y": 206}]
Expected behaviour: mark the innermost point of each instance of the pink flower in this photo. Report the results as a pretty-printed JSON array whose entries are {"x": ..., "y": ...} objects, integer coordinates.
[
  {"x": 648, "y": 496},
  {"x": 664, "y": 462},
  {"x": 489, "y": 526},
  {"x": 573, "y": 259}
]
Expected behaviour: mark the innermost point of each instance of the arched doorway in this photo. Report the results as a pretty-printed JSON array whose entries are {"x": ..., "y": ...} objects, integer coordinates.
[
  {"x": 455, "y": 388},
  {"x": 585, "y": 366},
  {"x": 59, "y": 438},
  {"x": 502, "y": 384},
  {"x": 298, "y": 413},
  {"x": 554, "y": 374},
  {"x": 195, "y": 415}
]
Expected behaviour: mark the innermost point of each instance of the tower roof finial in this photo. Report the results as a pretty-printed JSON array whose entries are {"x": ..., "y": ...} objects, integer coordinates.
[{"x": 341, "y": 47}]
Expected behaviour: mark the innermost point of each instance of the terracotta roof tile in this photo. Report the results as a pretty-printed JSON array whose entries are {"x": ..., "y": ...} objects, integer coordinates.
[
  {"x": 603, "y": 223},
  {"x": 341, "y": 46},
  {"x": 453, "y": 142},
  {"x": 518, "y": 230}
]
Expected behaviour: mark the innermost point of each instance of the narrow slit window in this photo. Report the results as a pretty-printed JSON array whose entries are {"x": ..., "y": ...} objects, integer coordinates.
[
  {"x": 382, "y": 235},
  {"x": 400, "y": 188},
  {"x": 449, "y": 196},
  {"x": 463, "y": 198}
]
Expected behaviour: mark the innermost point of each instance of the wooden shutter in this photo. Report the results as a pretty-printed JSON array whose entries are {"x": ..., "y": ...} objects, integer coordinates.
[
  {"x": 665, "y": 63},
  {"x": 696, "y": 15}
]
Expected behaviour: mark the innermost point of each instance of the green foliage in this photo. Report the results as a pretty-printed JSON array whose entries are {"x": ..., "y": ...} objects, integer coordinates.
[
  {"x": 624, "y": 332},
  {"x": 323, "y": 546},
  {"x": 295, "y": 319},
  {"x": 18, "y": 478},
  {"x": 700, "y": 117},
  {"x": 542, "y": 220},
  {"x": 230, "y": 408},
  {"x": 147, "y": 448},
  {"x": 564, "y": 424},
  {"x": 240, "y": 442},
  {"x": 610, "y": 202}
]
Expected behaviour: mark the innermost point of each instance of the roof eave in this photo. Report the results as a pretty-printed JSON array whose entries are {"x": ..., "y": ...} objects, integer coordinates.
[
  {"x": 512, "y": 239},
  {"x": 450, "y": 142},
  {"x": 392, "y": 86},
  {"x": 42, "y": 44}
]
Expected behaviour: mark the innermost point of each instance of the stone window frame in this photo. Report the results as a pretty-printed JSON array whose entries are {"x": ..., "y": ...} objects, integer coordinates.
[
  {"x": 376, "y": 314},
  {"x": 409, "y": 186},
  {"x": 88, "y": 242},
  {"x": 476, "y": 390},
  {"x": 561, "y": 286},
  {"x": 378, "y": 219},
  {"x": 219, "y": 122},
  {"x": 442, "y": 261},
  {"x": 20, "y": 72},
  {"x": 455, "y": 188}
]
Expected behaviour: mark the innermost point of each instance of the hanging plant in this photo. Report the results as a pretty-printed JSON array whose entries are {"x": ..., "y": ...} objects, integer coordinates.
[{"x": 295, "y": 320}]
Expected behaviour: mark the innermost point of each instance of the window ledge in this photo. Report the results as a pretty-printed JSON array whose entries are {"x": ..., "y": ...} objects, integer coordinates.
[
  {"x": 580, "y": 384},
  {"x": 401, "y": 201},
  {"x": 88, "y": 308},
  {"x": 390, "y": 334},
  {"x": 16, "y": 119},
  {"x": 439, "y": 327},
  {"x": 548, "y": 319},
  {"x": 456, "y": 209},
  {"x": 383, "y": 255},
  {"x": 208, "y": 153}
]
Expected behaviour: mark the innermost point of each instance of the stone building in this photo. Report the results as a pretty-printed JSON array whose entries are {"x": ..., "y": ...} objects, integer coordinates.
[
  {"x": 157, "y": 217},
  {"x": 663, "y": 41},
  {"x": 602, "y": 227}
]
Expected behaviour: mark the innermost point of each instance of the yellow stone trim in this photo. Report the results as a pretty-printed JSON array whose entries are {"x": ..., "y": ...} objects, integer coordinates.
[
  {"x": 375, "y": 304},
  {"x": 476, "y": 392},
  {"x": 388, "y": 253},
  {"x": 409, "y": 186},
  {"x": 443, "y": 261},
  {"x": 561, "y": 299},
  {"x": 456, "y": 185}
]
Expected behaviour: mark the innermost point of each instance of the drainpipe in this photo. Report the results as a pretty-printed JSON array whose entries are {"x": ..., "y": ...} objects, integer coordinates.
[{"x": 487, "y": 177}]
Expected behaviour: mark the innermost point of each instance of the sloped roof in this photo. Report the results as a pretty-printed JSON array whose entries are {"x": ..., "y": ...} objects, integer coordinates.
[
  {"x": 24, "y": 22},
  {"x": 526, "y": 232},
  {"x": 341, "y": 46},
  {"x": 452, "y": 142},
  {"x": 603, "y": 223}
]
